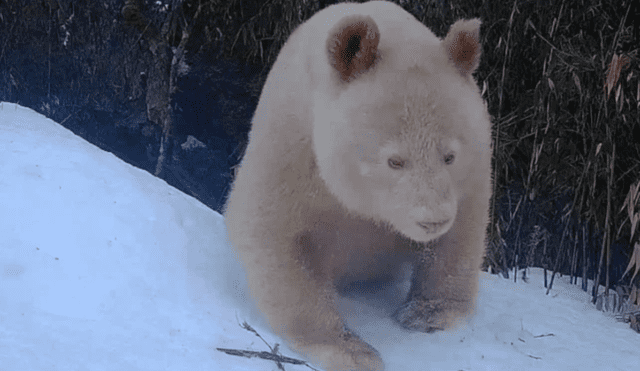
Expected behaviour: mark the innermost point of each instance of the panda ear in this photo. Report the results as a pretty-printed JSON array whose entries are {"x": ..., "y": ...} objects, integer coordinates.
[
  {"x": 462, "y": 45},
  {"x": 353, "y": 46}
]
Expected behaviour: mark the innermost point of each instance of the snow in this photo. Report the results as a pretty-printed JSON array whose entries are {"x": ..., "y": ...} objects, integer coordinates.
[{"x": 104, "y": 267}]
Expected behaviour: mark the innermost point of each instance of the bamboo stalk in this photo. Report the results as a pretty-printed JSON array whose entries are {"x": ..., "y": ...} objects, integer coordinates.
[
  {"x": 608, "y": 226},
  {"x": 606, "y": 240},
  {"x": 585, "y": 260},
  {"x": 574, "y": 260}
]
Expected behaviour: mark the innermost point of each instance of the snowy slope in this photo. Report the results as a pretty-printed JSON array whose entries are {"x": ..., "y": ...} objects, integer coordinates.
[{"x": 104, "y": 267}]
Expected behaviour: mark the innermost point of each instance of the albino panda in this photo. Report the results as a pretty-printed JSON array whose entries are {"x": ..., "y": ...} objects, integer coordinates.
[{"x": 370, "y": 147}]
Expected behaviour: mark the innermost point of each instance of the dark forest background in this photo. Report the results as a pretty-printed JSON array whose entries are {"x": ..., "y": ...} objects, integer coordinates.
[{"x": 170, "y": 87}]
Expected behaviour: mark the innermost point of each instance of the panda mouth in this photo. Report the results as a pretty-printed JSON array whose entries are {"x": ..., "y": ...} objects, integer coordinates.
[{"x": 433, "y": 227}]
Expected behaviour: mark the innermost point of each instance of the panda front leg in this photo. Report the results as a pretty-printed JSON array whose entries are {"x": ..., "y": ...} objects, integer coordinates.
[
  {"x": 301, "y": 309},
  {"x": 445, "y": 280}
]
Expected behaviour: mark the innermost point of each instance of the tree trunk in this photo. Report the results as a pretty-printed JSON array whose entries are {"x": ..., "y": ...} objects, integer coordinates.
[
  {"x": 159, "y": 100},
  {"x": 544, "y": 262},
  {"x": 574, "y": 259},
  {"x": 560, "y": 253},
  {"x": 585, "y": 260},
  {"x": 596, "y": 282},
  {"x": 163, "y": 71},
  {"x": 606, "y": 241},
  {"x": 518, "y": 243},
  {"x": 608, "y": 226}
]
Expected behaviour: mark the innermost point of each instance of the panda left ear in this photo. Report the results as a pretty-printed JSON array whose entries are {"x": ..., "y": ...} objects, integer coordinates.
[{"x": 462, "y": 45}]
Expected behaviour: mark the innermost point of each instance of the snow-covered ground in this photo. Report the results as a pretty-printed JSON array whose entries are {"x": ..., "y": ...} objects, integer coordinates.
[{"x": 104, "y": 267}]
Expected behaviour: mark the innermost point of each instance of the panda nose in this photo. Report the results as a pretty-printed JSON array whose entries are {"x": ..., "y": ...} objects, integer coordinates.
[{"x": 433, "y": 227}]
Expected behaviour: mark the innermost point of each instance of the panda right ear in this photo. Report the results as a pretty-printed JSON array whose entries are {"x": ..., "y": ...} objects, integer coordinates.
[{"x": 353, "y": 46}]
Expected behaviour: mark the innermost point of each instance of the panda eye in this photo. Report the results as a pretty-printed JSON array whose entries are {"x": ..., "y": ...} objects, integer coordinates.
[
  {"x": 449, "y": 158},
  {"x": 396, "y": 163}
]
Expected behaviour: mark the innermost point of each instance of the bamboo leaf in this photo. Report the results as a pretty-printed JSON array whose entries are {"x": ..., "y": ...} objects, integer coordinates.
[
  {"x": 630, "y": 203},
  {"x": 611, "y": 75},
  {"x": 635, "y": 260},
  {"x": 626, "y": 202},
  {"x": 576, "y": 80},
  {"x": 619, "y": 98},
  {"x": 613, "y": 72},
  {"x": 634, "y": 223}
]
